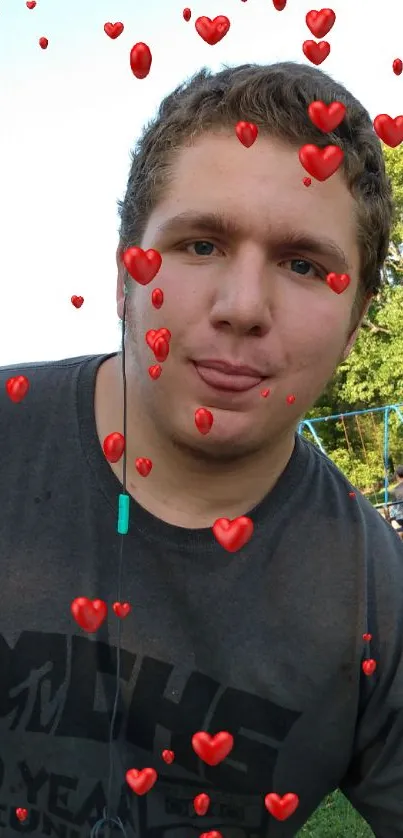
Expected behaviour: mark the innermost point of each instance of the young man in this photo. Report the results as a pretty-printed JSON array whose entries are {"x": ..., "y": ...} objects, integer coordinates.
[{"x": 264, "y": 644}]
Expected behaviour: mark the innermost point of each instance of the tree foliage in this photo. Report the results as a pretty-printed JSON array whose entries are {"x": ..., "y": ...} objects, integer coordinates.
[{"x": 372, "y": 376}]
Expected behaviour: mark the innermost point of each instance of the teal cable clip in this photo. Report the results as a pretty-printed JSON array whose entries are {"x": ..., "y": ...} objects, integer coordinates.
[{"x": 123, "y": 518}]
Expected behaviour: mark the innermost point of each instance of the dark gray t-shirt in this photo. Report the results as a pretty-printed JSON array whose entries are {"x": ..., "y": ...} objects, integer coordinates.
[{"x": 265, "y": 643}]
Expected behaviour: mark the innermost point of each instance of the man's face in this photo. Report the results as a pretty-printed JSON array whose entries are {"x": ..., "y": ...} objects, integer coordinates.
[{"x": 245, "y": 297}]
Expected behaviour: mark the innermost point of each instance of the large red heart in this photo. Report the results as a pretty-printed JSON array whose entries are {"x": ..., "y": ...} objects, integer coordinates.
[
  {"x": 142, "y": 265},
  {"x": 320, "y": 23},
  {"x": 113, "y": 29},
  {"x": 232, "y": 535},
  {"x": 369, "y": 666},
  {"x": 212, "y": 749},
  {"x": 389, "y": 130},
  {"x": 140, "y": 63},
  {"x": 89, "y": 613},
  {"x": 17, "y": 388},
  {"x": 338, "y": 282},
  {"x": 321, "y": 163},
  {"x": 281, "y": 807},
  {"x": 326, "y": 117},
  {"x": 141, "y": 781},
  {"x": 212, "y": 31},
  {"x": 316, "y": 53}
]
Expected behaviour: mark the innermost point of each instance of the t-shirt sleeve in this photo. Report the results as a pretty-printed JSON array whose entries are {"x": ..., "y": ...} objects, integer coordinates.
[{"x": 374, "y": 780}]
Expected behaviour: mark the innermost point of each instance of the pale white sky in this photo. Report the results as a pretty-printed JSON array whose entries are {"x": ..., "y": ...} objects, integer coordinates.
[{"x": 70, "y": 115}]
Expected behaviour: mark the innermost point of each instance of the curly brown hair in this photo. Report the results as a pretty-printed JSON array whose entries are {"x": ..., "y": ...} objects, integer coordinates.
[{"x": 276, "y": 98}]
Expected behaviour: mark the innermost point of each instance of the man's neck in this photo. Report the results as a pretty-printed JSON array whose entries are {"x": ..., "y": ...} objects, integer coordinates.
[{"x": 181, "y": 490}]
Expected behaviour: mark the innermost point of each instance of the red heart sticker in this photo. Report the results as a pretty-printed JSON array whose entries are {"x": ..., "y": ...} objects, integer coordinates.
[
  {"x": 142, "y": 265},
  {"x": 367, "y": 637},
  {"x": 168, "y": 756},
  {"x": 281, "y": 807},
  {"x": 212, "y": 834},
  {"x": 113, "y": 30},
  {"x": 233, "y": 535},
  {"x": 113, "y": 446},
  {"x": 307, "y": 181},
  {"x": 77, "y": 301},
  {"x": 397, "y": 66},
  {"x": 321, "y": 163},
  {"x": 246, "y": 133},
  {"x": 326, "y": 117},
  {"x": 369, "y": 666},
  {"x": 279, "y": 5},
  {"x": 43, "y": 43},
  {"x": 155, "y": 371},
  {"x": 389, "y": 130},
  {"x": 203, "y": 420},
  {"x": 157, "y": 298},
  {"x": 212, "y": 31},
  {"x": 320, "y": 23},
  {"x": 187, "y": 14},
  {"x": 316, "y": 53},
  {"x": 141, "y": 781},
  {"x": 140, "y": 63},
  {"x": 338, "y": 282},
  {"x": 212, "y": 749},
  {"x": 89, "y": 613},
  {"x": 201, "y": 804},
  {"x": 17, "y": 388},
  {"x": 265, "y": 393},
  {"x": 30, "y": 4},
  {"x": 143, "y": 466},
  {"x": 153, "y": 334},
  {"x": 121, "y": 609},
  {"x": 161, "y": 348},
  {"x": 22, "y": 814}
]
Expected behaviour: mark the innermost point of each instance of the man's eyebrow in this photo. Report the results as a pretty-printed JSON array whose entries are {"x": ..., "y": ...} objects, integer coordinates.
[{"x": 213, "y": 222}]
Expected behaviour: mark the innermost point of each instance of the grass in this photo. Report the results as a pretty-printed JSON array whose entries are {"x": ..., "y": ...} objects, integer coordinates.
[{"x": 336, "y": 818}]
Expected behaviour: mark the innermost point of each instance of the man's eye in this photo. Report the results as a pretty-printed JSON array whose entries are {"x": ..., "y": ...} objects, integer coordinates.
[
  {"x": 303, "y": 266},
  {"x": 201, "y": 247}
]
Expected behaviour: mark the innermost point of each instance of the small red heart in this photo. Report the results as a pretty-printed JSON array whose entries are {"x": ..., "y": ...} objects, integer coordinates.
[
  {"x": 157, "y": 297},
  {"x": 389, "y": 130},
  {"x": 140, "y": 63},
  {"x": 281, "y": 807},
  {"x": 77, "y": 301},
  {"x": 43, "y": 43},
  {"x": 30, "y": 4},
  {"x": 279, "y": 5},
  {"x": 21, "y": 813},
  {"x": 212, "y": 834},
  {"x": 168, "y": 756},
  {"x": 367, "y": 637},
  {"x": 265, "y": 393},
  {"x": 113, "y": 447},
  {"x": 351, "y": 494},
  {"x": 212, "y": 31},
  {"x": 143, "y": 466},
  {"x": 203, "y": 420},
  {"x": 316, "y": 53},
  {"x": 142, "y": 265},
  {"x": 155, "y": 371},
  {"x": 121, "y": 609},
  {"x": 307, "y": 181},
  {"x": 89, "y": 613},
  {"x": 326, "y": 117},
  {"x": 338, "y": 282},
  {"x": 369, "y": 666},
  {"x": 321, "y": 163},
  {"x": 113, "y": 29},
  {"x": 161, "y": 348},
  {"x": 17, "y": 388},
  {"x": 212, "y": 749},
  {"x": 320, "y": 23},
  {"x": 141, "y": 781},
  {"x": 397, "y": 66},
  {"x": 153, "y": 334},
  {"x": 187, "y": 14},
  {"x": 201, "y": 804},
  {"x": 233, "y": 535},
  {"x": 246, "y": 133},
  {"x": 290, "y": 399}
]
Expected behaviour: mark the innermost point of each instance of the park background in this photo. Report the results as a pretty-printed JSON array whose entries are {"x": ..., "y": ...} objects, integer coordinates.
[{"x": 70, "y": 115}]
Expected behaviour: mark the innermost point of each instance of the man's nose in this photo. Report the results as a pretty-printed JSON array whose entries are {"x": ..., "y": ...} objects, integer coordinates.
[{"x": 242, "y": 296}]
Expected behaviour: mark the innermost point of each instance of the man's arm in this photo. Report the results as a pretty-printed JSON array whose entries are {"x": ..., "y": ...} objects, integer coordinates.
[{"x": 374, "y": 780}]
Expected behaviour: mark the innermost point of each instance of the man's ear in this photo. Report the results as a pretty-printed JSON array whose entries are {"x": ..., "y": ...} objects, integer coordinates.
[{"x": 354, "y": 334}]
